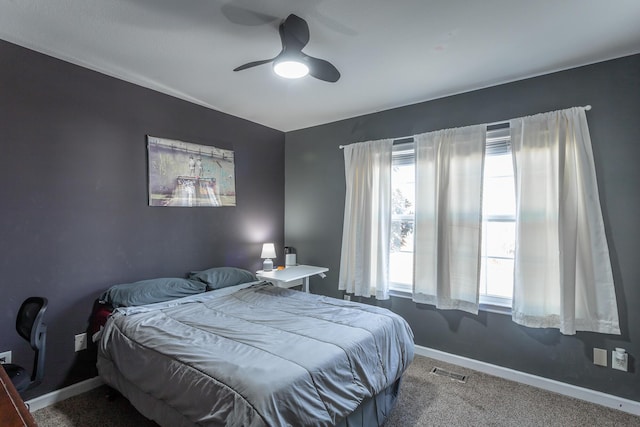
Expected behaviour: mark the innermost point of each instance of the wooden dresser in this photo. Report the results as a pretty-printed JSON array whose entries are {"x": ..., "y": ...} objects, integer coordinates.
[{"x": 13, "y": 411}]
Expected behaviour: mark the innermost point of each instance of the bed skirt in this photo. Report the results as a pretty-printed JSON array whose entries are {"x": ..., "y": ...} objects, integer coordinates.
[{"x": 375, "y": 410}]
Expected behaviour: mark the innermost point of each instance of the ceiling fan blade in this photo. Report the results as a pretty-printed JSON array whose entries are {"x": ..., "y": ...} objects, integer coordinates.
[
  {"x": 253, "y": 64},
  {"x": 321, "y": 69},
  {"x": 294, "y": 33},
  {"x": 239, "y": 12}
]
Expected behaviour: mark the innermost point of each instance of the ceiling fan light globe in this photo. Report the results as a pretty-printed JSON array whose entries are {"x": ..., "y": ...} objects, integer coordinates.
[{"x": 290, "y": 69}]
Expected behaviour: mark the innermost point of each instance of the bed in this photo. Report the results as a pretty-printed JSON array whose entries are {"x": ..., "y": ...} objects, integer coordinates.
[{"x": 252, "y": 354}]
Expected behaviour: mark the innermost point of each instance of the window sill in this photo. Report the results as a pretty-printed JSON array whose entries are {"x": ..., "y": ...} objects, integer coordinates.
[{"x": 491, "y": 308}]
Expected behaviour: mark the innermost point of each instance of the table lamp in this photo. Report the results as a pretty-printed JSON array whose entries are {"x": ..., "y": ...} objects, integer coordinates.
[{"x": 268, "y": 252}]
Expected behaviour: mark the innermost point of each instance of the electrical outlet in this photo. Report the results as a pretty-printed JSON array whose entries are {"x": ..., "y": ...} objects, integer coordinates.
[
  {"x": 81, "y": 342},
  {"x": 619, "y": 359},
  {"x": 347, "y": 297},
  {"x": 5, "y": 357},
  {"x": 600, "y": 357}
]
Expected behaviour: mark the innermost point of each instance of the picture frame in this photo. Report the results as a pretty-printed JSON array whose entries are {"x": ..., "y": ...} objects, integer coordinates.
[{"x": 184, "y": 174}]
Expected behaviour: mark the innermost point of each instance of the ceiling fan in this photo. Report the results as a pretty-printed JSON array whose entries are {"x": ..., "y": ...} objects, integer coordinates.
[{"x": 291, "y": 62}]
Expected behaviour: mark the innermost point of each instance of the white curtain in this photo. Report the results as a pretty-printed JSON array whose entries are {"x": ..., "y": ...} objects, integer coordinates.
[
  {"x": 563, "y": 275},
  {"x": 364, "y": 262},
  {"x": 448, "y": 219}
]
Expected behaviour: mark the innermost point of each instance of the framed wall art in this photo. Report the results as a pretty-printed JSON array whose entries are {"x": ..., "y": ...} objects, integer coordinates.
[{"x": 189, "y": 175}]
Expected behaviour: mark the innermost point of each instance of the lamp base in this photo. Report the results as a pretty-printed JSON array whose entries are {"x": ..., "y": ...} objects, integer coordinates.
[{"x": 267, "y": 265}]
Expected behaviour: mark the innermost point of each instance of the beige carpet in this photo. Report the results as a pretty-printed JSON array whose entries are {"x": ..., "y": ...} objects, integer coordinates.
[
  {"x": 484, "y": 400},
  {"x": 425, "y": 399}
]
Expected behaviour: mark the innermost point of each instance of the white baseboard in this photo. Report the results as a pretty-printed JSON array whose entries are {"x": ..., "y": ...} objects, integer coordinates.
[
  {"x": 604, "y": 399},
  {"x": 62, "y": 394}
]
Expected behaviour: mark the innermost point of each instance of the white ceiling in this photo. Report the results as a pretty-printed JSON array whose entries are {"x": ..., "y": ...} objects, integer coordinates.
[{"x": 390, "y": 53}]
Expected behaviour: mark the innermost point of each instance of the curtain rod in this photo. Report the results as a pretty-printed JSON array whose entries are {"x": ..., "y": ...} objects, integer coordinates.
[{"x": 586, "y": 107}]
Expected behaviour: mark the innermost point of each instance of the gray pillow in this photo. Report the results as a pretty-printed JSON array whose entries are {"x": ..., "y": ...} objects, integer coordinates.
[
  {"x": 151, "y": 291},
  {"x": 222, "y": 277}
]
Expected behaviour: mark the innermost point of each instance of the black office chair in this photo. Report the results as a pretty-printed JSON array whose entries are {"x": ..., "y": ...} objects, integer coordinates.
[{"x": 30, "y": 326}]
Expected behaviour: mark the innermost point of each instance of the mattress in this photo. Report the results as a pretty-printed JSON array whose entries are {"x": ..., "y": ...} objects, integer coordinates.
[{"x": 254, "y": 356}]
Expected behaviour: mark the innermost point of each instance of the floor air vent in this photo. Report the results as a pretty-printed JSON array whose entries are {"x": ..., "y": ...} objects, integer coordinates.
[{"x": 452, "y": 375}]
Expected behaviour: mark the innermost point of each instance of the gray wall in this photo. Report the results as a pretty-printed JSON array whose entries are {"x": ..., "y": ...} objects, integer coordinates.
[
  {"x": 314, "y": 204},
  {"x": 74, "y": 218}
]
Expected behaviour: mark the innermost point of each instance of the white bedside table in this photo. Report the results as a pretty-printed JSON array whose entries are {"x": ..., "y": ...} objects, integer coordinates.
[{"x": 291, "y": 276}]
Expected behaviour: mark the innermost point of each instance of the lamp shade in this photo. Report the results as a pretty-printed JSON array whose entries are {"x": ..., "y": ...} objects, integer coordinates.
[{"x": 268, "y": 251}]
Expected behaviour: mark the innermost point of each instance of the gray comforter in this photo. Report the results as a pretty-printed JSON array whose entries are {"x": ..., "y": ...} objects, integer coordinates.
[{"x": 256, "y": 356}]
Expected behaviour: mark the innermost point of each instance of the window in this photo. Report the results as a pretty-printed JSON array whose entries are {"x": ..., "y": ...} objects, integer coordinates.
[
  {"x": 402, "y": 217},
  {"x": 498, "y": 221},
  {"x": 498, "y": 227}
]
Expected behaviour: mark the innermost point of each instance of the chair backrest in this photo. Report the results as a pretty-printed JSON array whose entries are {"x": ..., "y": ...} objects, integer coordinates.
[{"x": 31, "y": 327}]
